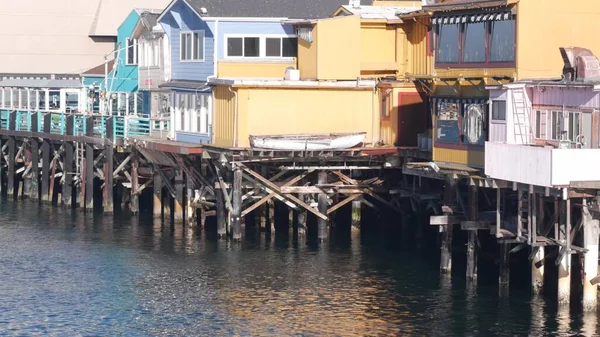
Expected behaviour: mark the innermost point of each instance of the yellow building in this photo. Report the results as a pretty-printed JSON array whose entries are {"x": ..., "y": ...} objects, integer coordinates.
[
  {"x": 478, "y": 44},
  {"x": 349, "y": 77}
]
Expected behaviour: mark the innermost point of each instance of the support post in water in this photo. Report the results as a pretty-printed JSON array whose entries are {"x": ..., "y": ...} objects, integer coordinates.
[
  {"x": 446, "y": 248},
  {"x": 89, "y": 166},
  {"x": 12, "y": 144},
  {"x": 323, "y": 233},
  {"x": 190, "y": 208},
  {"x": 46, "y": 148},
  {"x": 271, "y": 216},
  {"x": 591, "y": 232},
  {"x": 68, "y": 161},
  {"x": 236, "y": 220},
  {"x": 157, "y": 195},
  {"x": 504, "y": 273},
  {"x": 302, "y": 216},
  {"x": 537, "y": 270},
  {"x": 472, "y": 240},
  {"x": 221, "y": 213},
  {"x": 34, "y": 193},
  {"x": 564, "y": 258},
  {"x": 356, "y": 215},
  {"x": 108, "y": 204},
  {"x": 134, "y": 204},
  {"x": 178, "y": 183}
]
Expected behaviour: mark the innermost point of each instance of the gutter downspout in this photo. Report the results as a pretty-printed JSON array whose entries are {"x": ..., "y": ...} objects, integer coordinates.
[
  {"x": 374, "y": 92},
  {"x": 235, "y": 118}
]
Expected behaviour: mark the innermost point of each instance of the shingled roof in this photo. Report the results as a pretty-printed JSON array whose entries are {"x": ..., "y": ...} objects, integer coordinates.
[{"x": 293, "y": 9}]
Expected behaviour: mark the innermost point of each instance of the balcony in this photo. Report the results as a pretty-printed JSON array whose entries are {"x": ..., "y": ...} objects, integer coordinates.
[{"x": 541, "y": 166}]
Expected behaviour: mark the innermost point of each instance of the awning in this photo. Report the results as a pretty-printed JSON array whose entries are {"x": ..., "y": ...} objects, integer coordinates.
[
  {"x": 40, "y": 83},
  {"x": 197, "y": 86},
  {"x": 467, "y": 100},
  {"x": 481, "y": 17}
]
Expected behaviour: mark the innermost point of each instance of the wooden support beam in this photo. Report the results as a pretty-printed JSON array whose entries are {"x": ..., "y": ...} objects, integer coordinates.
[
  {"x": 274, "y": 193},
  {"x": 157, "y": 209},
  {"x": 444, "y": 220},
  {"x": 10, "y": 180},
  {"x": 108, "y": 205},
  {"x": 89, "y": 166},
  {"x": 223, "y": 187},
  {"x": 35, "y": 169},
  {"x": 134, "y": 205},
  {"x": 472, "y": 236},
  {"x": 236, "y": 217},
  {"x": 323, "y": 230},
  {"x": 68, "y": 165},
  {"x": 340, "y": 204},
  {"x": 221, "y": 213}
]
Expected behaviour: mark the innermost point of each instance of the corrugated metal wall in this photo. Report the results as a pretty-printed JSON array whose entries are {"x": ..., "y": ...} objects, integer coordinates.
[
  {"x": 573, "y": 97},
  {"x": 224, "y": 109},
  {"x": 419, "y": 61}
]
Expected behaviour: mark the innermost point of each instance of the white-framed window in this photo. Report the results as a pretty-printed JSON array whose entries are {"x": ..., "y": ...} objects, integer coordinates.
[
  {"x": 499, "y": 111},
  {"x": 261, "y": 46},
  {"x": 131, "y": 51},
  {"x": 149, "y": 53},
  {"x": 192, "y": 46},
  {"x": 541, "y": 124},
  {"x": 574, "y": 126},
  {"x": 192, "y": 112},
  {"x": 556, "y": 125}
]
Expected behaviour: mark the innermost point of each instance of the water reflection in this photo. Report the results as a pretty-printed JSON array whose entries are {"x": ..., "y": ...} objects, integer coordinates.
[{"x": 72, "y": 273}]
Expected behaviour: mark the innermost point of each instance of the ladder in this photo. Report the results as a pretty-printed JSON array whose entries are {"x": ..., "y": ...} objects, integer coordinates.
[{"x": 521, "y": 117}]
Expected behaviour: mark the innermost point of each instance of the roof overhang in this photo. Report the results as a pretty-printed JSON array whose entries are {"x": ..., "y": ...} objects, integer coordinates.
[
  {"x": 302, "y": 84},
  {"x": 467, "y": 5}
]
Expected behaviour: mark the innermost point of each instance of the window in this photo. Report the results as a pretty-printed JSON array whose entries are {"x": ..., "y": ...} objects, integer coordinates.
[
  {"x": 192, "y": 46},
  {"x": 556, "y": 125},
  {"x": 461, "y": 123},
  {"x": 502, "y": 41},
  {"x": 499, "y": 111},
  {"x": 574, "y": 126},
  {"x": 54, "y": 99},
  {"x": 448, "y": 48},
  {"x": 23, "y": 98},
  {"x": 541, "y": 124},
  {"x": 267, "y": 46},
  {"x": 131, "y": 48},
  {"x": 385, "y": 107},
  {"x": 473, "y": 41},
  {"x": 447, "y": 123},
  {"x": 72, "y": 101},
  {"x": 472, "y": 122}
]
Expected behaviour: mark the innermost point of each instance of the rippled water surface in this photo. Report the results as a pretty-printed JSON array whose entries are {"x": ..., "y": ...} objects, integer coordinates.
[{"x": 65, "y": 273}]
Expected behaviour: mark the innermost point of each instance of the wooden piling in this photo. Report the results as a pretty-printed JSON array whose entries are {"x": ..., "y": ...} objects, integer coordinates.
[
  {"x": 179, "y": 188},
  {"x": 472, "y": 239},
  {"x": 157, "y": 209},
  {"x": 108, "y": 194},
  {"x": 356, "y": 215},
  {"x": 34, "y": 193},
  {"x": 46, "y": 153},
  {"x": 236, "y": 205},
  {"x": 504, "y": 265},
  {"x": 221, "y": 213},
  {"x": 134, "y": 204},
  {"x": 271, "y": 215},
  {"x": 10, "y": 173},
  {"x": 190, "y": 210},
  {"x": 537, "y": 270},
  {"x": 322, "y": 204},
  {"x": 302, "y": 216},
  {"x": 564, "y": 263},
  {"x": 89, "y": 166},
  {"x": 447, "y": 230},
  {"x": 68, "y": 172},
  {"x": 591, "y": 232}
]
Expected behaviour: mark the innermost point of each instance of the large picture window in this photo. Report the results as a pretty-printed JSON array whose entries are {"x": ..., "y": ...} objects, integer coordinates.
[
  {"x": 475, "y": 40},
  {"x": 192, "y": 46},
  {"x": 461, "y": 123},
  {"x": 261, "y": 46}
]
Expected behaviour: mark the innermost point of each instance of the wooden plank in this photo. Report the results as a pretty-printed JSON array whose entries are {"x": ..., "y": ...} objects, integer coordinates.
[
  {"x": 272, "y": 195},
  {"x": 342, "y": 203},
  {"x": 223, "y": 189},
  {"x": 277, "y": 190},
  {"x": 444, "y": 220},
  {"x": 351, "y": 181}
]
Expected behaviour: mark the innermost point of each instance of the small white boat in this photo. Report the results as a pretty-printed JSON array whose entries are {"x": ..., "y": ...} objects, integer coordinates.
[{"x": 329, "y": 141}]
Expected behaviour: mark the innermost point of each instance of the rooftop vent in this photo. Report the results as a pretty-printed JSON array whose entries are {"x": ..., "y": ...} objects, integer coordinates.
[
  {"x": 354, "y": 3},
  {"x": 580, "y": 65}
]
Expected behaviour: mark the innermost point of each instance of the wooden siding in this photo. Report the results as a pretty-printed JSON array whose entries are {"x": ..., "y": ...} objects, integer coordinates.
[
  {"x": 224, "y": 111},
  {"x": 307, "y": 56},
  {"x": 470, "y": 158},
  {"x": 497, "y": 132},
  {"x": 253, "y": 69},
  {"x": 413, "y": 49},
  {"x": 569, "y": 97},
  {"x": 182, "y": 18},
  {"x": 377, "y": 48},
  {"x": 124, "y": 78},
  {"x": 519, "y": 163},
  {"x": 149, "y": 78},
  {"x": 248, "y": 28}
]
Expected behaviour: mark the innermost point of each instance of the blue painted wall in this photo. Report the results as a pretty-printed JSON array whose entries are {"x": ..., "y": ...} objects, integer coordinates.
[
  {"x": 248, "y": 28},
  {"x": 125, "y": 76},
  {"x": 181, "y": 18}
]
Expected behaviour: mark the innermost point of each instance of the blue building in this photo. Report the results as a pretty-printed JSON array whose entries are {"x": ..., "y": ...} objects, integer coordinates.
[{"x": 205, "y": 35}]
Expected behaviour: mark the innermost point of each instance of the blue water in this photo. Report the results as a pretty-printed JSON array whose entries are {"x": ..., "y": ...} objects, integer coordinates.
[{"x": 65, "y": 273}]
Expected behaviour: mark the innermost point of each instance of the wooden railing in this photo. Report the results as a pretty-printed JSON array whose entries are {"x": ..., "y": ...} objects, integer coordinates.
[{"x": 123, "y": 127}]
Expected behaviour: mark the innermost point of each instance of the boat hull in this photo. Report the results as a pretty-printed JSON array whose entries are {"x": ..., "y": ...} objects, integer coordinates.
[{"x": 308, "y": 142}]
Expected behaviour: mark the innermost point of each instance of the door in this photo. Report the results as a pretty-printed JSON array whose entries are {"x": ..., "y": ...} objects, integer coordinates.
[{"x": 412, "y": 118}]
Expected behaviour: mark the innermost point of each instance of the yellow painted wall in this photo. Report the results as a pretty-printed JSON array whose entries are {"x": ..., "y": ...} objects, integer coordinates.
[
  {"x": 389, "y": 126},
  {"x": 223, "y": 109},
  {"x": 470, "y": 158},
  {"x": 338, "y": 50},
  {"x": 412, "y": 47},
  {"x": 544, "y": 26},
  {"x": 265, "y": 111},
  {"x": 378, "y": 48},
  {"x": 253, "y": 69},
  {"x": 307, "y": 55}
]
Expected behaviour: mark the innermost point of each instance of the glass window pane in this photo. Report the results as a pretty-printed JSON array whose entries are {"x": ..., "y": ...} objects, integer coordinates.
[
  {"x": 447, "y": 123},
  {"x": 473, "y": 124},
  {"x": 273, "y": 47},
  {"x": 130, "y": 51},
  {"x": 251, "y": 47},
  {"x": 54, "y": 99},
  {"x": 72, "y": 101},
  {"x": 290, "y": 47},
  {"x": 23, "y": 104},
  {"x": 188, "y": 49},
  {"x": 448, "y": 44},
  {"x": 235, "y": 46},
  {"x": 199, "y": 38},
  {"x": 503, "y": 41},
  {"x": 538, "y": 124},
  {"x": 183, "y": 46},
  {"x": 474, "y": 42},
  {"x": 499, "y": 110}
]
